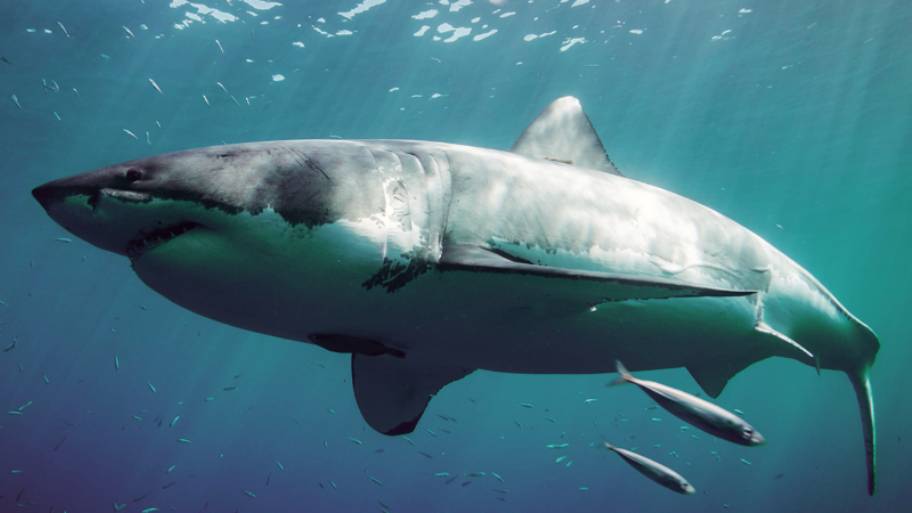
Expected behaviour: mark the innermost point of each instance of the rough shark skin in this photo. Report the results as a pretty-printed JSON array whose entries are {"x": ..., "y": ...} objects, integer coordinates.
[{"x": 428, "y": 260}]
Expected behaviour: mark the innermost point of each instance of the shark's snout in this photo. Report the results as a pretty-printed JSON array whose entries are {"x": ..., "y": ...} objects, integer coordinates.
[
  {"x": 53, "y": 193},
  {"x": 68, "y": 201},
  {"x": 46, "y": 194},
  {"x": 100, "y": 208},
  {"x": 73, "y": 205}
]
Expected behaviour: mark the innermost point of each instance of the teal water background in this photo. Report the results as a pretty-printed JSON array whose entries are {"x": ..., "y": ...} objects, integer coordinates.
[{"x": 797, "y": 123}]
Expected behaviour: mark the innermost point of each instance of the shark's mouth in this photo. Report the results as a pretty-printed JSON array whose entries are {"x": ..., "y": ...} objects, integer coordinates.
[{"x": 148, "y": 240}]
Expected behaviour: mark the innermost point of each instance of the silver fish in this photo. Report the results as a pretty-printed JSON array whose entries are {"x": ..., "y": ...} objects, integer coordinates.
[
  {"x": 703, "y": 414},
  {"x": 655, "y": 471},
  {"x": 155, "y": 85}
]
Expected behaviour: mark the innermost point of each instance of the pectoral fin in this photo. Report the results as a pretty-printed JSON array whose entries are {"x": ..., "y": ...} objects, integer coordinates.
[{"x": 392, "y": 393}]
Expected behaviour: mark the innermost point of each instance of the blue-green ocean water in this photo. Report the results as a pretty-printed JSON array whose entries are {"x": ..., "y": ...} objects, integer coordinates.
[{"x": 792, "y": 117}]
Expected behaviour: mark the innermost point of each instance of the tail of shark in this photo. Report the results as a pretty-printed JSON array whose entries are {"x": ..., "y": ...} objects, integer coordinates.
[{"x": 862, "y": 384}]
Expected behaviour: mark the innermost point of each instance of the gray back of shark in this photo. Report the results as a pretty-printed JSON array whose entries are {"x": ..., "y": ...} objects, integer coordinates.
[{"x": 429, "y": 260}]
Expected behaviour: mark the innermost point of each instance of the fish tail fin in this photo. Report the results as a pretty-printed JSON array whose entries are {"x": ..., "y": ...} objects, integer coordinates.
[
  {"x": 624, "y": 376},
  {"x": 861, "y": 382}
]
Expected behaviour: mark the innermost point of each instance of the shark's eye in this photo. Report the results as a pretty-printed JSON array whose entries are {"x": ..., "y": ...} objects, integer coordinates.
[{"x": 133, "y": 175}]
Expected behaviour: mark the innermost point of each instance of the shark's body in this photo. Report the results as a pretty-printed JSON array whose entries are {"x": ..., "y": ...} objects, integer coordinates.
[{"x": 429, "y": 260}]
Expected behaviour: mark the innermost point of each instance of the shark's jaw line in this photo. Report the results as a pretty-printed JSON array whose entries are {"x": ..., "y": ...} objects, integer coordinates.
[
  {"x": 148, "y": 240},
  {"x": 138, "y": 209}
]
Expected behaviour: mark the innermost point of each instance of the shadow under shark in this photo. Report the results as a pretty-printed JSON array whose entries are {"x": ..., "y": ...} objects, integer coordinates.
[{"x": 428, "y": 260}]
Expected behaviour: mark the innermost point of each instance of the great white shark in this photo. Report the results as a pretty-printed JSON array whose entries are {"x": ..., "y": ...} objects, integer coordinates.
[{"x": 427, "y": 260}]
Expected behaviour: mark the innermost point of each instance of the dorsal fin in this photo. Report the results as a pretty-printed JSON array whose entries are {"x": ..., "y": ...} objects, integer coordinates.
[{"x": 563, "y": 133}]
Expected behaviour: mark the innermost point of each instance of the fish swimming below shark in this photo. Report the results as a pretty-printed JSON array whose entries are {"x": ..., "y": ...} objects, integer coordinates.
[
  {"x": 697, "y": 412},
  {"x": 426, "y": 261},
  {"x": 654, "y": 470}
]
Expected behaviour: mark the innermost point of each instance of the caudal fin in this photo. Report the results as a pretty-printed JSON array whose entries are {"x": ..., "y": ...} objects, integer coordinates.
[
  {"x": 624, "y": 376},
  {"x": 862, "y": 384}
]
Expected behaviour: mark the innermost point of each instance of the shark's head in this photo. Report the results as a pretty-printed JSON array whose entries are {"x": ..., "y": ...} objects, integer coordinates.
[
  {"x": 136, "y": 207},
  {"x": 143, "y": 206},
  {"x": 207, "y": 228}
]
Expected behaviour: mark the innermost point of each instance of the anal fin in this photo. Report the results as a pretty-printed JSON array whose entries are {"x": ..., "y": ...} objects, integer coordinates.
[
  {"x": 714, "y": 376},
  {"x": 392, "y": 393}
]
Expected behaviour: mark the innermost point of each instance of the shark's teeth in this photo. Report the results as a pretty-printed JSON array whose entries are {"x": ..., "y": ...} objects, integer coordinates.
[
  {"x": 147, "y": 240},
  {"x": 131, "y": 196}
]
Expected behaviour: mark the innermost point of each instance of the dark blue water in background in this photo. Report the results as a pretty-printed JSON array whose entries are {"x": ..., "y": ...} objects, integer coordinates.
[{"x": 793, "y": 118}]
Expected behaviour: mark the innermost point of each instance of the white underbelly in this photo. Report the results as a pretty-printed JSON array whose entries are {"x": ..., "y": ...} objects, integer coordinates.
[
  {"x": 518, "y": 323},
  {"x": 331, "y": 281}
]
